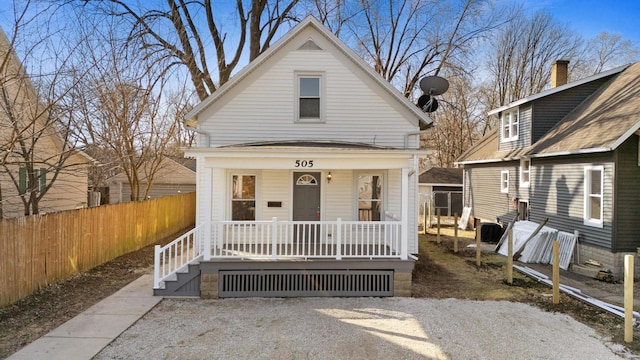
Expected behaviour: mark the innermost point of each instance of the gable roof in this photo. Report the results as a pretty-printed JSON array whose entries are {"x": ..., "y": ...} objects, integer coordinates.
[
  {"x": 558, "y": 89},
  {"x": 600, "y": 123},
  {"x": 442, "y": 176},
  {"x": 309, "y": 22},
  {"x": 172, "y": 170}
]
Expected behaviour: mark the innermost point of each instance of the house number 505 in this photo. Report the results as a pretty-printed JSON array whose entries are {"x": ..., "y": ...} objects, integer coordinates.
[{"x": 304, "y": 163}]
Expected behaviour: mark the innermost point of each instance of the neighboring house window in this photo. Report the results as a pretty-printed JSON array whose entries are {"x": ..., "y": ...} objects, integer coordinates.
[
  {"x": 504, "y": 181},
  {"x": 243, "y": 199},
  {"x": 509, "y": 123},
  {"x": 309, "y": 106},
  {"x": 593, "y": 191},
  {"x": 369, "y": 197},
  {"x": 525, "y": 172},
  {"x": 23, "y": 180}
]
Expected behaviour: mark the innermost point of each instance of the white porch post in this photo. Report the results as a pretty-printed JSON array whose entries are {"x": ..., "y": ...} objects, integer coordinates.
[
  {"x": 206, "y": 206},
  {"x": 404, "y": 215},
  {"x": 156, "y": 266}
]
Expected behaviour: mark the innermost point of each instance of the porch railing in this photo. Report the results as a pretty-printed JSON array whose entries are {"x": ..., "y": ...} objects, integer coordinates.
[
  {"x": 176, "y": 255},
  {"x": 277, "y": 239},
  {"x": 305, "y": 239}
]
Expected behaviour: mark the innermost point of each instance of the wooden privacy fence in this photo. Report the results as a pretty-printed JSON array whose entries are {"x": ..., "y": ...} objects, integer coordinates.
[{"x": 39, "y": 250}]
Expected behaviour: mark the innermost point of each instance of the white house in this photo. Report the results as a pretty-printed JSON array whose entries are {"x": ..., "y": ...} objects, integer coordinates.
[{"x": 307, "y": 178}]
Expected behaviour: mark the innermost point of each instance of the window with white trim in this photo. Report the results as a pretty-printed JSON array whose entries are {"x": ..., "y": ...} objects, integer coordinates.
[
  {"x": 369, "y": 197},
  {"x": 525, "y": 173},
  {"x": 504, "y": 181},
  {"x": 593, "y": 195},
  {"x": 309, "y": 97},
  {"x": 243, "y": 197},
  {"x": 509, "y": 124}
]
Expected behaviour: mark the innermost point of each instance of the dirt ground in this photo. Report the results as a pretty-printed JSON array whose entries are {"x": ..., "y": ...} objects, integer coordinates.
[{"x": 439, "y": 273}]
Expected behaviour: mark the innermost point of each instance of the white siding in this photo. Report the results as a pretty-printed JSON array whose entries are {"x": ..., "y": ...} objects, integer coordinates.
[
  {"x": 339, "y": 198},
  {"x": 394, "y": 194},
  {"x": 262, "y": 106},
  {"x": 276, "y": 185}
]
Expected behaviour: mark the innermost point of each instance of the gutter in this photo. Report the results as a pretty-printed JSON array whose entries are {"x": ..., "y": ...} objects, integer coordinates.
[
  {"x": 188, "y": 125},
  {"x": 421, "y": 132}
]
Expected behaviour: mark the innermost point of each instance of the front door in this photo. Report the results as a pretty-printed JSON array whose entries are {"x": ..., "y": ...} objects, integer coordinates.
[{"x": 306, "y": 204}]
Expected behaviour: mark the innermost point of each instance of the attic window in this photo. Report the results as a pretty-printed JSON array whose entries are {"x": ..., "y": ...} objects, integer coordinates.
[
  {"x": 509, "y": 125},
  {"x": 309, "y": 97}
]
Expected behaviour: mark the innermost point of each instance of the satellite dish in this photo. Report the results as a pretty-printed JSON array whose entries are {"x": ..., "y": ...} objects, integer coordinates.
[
  {"x": 434, "y": 85},
  {"x": 427, "y": 103}
]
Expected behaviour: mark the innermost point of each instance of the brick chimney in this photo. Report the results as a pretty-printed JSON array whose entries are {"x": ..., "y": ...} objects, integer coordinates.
[{"x": 559, "y": 72}]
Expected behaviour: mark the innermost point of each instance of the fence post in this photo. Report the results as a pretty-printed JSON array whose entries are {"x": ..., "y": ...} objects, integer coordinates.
[
  {"x": 455, "y": 232},
  {"x": 438, "y": 216},
  {"x": 339, "y": 239},
  {"x": 274, "y": 238},
  {"x": 510, "y": 257},
  {"x": 628, "y": 298},
  {"x": 478, "y": 226},
  {"x": 156, "y": 267},
  {"x": 556, "y": 272}
]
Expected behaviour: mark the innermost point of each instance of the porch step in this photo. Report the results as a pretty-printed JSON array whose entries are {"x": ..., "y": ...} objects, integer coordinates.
[{"x": 182, "y": 283}]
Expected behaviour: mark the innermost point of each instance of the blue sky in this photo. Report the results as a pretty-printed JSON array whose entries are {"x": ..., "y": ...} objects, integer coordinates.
[{"x": 590, "y": 17}]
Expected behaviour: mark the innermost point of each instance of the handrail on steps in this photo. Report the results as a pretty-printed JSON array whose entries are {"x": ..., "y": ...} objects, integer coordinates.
[{"x": 176, "y": 255}]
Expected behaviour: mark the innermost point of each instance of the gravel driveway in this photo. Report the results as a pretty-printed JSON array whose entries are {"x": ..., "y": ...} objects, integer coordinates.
[{"x": 356, "y": 328}]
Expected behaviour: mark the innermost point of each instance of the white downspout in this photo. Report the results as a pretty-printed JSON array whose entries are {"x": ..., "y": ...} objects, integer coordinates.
[{"x": 205, "y": 134}]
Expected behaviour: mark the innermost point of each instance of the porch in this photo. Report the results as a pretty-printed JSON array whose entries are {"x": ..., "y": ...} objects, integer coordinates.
[{"x": 286, "y": 258}]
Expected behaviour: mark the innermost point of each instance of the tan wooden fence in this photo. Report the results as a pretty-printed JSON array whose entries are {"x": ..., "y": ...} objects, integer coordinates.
[{"x": 39, "y": 250}]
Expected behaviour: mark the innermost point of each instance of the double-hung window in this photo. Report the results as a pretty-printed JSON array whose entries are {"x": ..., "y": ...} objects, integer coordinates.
[
  {"x": 525, "y": 172},
  {"x": 593, "y": 195},
  {"x": 369, "y": 197},
  {"x": 504, "y": 181},
  {"x": 309, "y": 97},
  {"x": 509, "y": 125},
  {"x": 243, "y": 198}
]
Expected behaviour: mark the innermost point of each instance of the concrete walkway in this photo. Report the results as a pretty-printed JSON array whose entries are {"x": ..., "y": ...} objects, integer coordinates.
[{"x": 86, "y": 334}]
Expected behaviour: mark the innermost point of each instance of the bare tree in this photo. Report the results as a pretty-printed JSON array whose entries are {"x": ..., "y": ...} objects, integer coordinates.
[
  {"x": 406, "y": 40},
  {"x": 603, "y": 52},
  {"x": 179, "y": 33},
  {"x": 127, "y": 120},
  {"x": 522, "y": 52},
  {"x": 459, "y": 122},
  {"x": 37, "y": 146}
]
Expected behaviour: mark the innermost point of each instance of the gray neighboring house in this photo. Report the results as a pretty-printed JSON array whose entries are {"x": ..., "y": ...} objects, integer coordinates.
[
  {"x": 176, "y": 175},
  {"x": 570, "y": 155}
]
